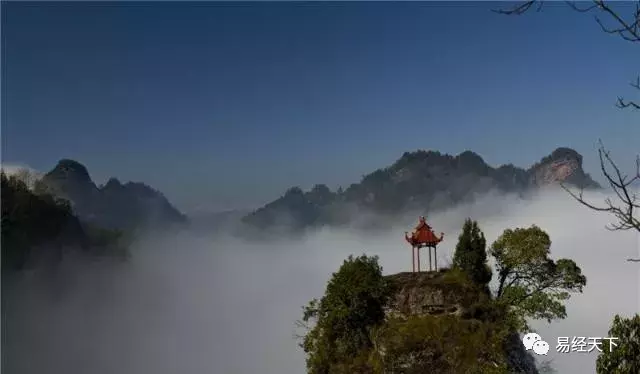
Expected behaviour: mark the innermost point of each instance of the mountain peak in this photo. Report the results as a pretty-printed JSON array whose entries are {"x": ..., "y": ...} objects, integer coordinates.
[
  {"x": 470, "y": 155},
  {"x": 113, "y": 205},
  {"x": 471, "y": 161},
  {"x": 112, "y": 183},
  {"x": 424, "y": 180},
  {"x": 70, "y": 169},
  {"x": 563, "y": 165},
  {"x": 562, "y": 154}
]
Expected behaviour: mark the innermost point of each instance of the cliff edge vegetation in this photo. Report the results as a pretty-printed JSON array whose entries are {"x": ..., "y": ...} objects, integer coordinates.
[
  {"x": 40, "y": 228},
  {"x": 446, "y": 321}
]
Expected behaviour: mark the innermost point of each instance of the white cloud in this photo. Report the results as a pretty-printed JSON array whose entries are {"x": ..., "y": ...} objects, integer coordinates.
[
  {"x": 24, "y": 172},
  {"x": 193, "y": 304}
]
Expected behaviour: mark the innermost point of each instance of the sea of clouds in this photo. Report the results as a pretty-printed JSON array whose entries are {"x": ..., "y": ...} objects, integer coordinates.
[{"x": 198, "y": 303}]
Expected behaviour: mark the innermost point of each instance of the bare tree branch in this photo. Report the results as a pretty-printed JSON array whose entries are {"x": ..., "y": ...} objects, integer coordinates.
[
  {"x": 622, "y": 104},
  {"x": 626, "y": 28},
  {"x": 628, "y": 206},
  {"x": 520, "y": 9},
  {"x": 573, "y": 5},
  {"x": 625, "y": 210}
]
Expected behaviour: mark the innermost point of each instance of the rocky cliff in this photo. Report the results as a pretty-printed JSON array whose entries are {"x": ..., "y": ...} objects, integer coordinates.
[
  {"x": 421, "y": 180},
  {"x": 439, "y": 315},
  {"x": 562, "y": 165},
  {"x": 114, "y": 205},
  {"x": 431, "y": 293}
]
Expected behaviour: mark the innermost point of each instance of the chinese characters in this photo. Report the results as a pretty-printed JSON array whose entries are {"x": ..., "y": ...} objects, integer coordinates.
[{"x": 583, "y": 344}]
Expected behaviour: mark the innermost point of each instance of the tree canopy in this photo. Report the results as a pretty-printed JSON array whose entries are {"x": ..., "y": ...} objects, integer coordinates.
[
  {"x": 352, "y": 305},
  {"x": 35, "y": 224},
  {"x": 441, "y": 344},
  {"x": 470, "y": 254},
  {"x": 29, "y": 220},
  {"x": 349, "y": 329},
  {"x": 625, "y": 358},
  {"x": 533, "y": 284},
  {"x": 623, "y": 21}
]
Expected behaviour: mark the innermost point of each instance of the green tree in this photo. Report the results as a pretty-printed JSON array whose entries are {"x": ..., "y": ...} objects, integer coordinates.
[
  {"x": 531, "y": 283},
  {"x": 30, "y": 220},
  {"x": 625, "y": 357},
  {"x": 38, "y": 224},
  {"x": 621, "y": 20},
  {"x": 353, "y": 304},
  {"x": 471, "y": 254},
  {"x": 440, "y": 344}
]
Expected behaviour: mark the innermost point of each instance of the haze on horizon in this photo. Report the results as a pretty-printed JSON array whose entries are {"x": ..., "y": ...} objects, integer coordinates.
[{"x": 206, "y": 101}]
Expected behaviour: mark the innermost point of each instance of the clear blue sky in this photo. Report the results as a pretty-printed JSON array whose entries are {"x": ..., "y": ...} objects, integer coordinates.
[{"x": 227, "y": 105}]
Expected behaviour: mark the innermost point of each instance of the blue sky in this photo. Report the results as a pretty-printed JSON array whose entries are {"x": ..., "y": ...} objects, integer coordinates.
[{"x": 223, "y": 105}]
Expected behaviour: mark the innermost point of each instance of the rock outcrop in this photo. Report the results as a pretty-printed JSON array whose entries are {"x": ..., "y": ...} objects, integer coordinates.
[
  {"x": 429, "y": 293},
  {"x": 564, "y": 165},
  {"x": 445, "y": 308}
]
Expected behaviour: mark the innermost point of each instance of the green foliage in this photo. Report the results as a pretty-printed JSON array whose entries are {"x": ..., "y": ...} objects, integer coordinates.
[
  {"x": 625, "y": 358},
  {"x": 29, "y": 220},
  {"x": 352, "y": 305},
  {"x": 440, "y": 344},
  {"x": 350, "y": 333},
  {"x": 531, "y": 283},
  {"x": 39, "y": 222},
  {"x": 471, "y": 255}
]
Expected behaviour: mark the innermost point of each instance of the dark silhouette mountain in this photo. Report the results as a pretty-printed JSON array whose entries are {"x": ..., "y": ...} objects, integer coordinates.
[
  {"x": 114, "y": 205},
  {"x": 421, "y": 180},
  {"x": 40, "y": 229}
]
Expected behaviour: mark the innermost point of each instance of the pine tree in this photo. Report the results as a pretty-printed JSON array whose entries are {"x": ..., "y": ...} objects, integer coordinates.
[{"x": 471, "y": 255}]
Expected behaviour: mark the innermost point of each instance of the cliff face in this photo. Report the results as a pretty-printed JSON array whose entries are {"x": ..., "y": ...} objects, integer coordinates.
[
  {"x": 424, "y": 180},
  {"x": 429, "y": 293},
  {"x": 114, "y": 205},
  {"x": 562, "y": 165},
  {"x": 439, "y": 314}
]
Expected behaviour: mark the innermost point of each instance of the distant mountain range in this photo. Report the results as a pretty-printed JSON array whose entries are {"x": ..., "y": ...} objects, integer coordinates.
[
  {"x": 420, "y": 181},
  {"x": 423, "y": 181},
  {"x": 114, "y": 205}
]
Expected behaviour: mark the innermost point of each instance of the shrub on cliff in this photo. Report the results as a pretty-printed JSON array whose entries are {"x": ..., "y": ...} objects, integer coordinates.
[
  {"x": 440, "y": 344},
  {"x": 353, "y": 304}
]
